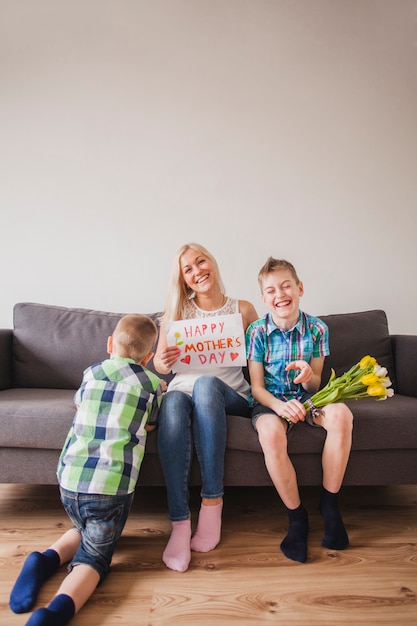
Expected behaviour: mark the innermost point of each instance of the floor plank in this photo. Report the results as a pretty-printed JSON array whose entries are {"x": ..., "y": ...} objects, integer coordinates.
[{"x": 246, "y": 580}]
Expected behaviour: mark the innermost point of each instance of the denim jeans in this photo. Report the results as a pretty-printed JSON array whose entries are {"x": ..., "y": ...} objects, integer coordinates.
[
  {"x": 100, "y": 520},
  {"x": 200, "y": 421}
]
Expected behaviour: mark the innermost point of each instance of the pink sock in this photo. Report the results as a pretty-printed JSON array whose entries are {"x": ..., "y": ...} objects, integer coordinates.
[
  {"x": 209, "y": 526},
  {"x": 177, "y": 554}
]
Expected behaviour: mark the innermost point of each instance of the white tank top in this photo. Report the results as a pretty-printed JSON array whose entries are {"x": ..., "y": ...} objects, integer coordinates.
[{"x": 233, "y": 376}]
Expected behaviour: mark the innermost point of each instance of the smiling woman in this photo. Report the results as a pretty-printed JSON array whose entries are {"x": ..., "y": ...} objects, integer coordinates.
[{"x": 193, "y": 412}]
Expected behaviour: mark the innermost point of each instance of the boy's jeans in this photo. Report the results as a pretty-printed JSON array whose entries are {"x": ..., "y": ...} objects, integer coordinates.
[{"x": 100, "y": 520}]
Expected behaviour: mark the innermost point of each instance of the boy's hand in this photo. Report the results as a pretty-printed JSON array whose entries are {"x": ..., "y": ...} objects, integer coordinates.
[
  {"x": 306, "y": 373},
  {"x": 293, "y": 411}
]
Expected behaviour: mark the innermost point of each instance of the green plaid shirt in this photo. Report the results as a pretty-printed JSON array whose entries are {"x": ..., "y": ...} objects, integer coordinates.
[{"x": 104, "y": 448}]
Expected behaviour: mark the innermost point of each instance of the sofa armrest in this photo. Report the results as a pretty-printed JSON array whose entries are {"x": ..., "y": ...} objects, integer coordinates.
[
  {"x": 404, "y": 348},
  {"x": 6, "y": 351}
]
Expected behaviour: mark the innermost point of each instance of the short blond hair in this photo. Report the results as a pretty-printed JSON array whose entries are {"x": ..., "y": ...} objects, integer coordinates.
[
  {"x": 135, "y": 336},
  {"x": 178, "y": 292},
  {"x": 273, "y": 265}
]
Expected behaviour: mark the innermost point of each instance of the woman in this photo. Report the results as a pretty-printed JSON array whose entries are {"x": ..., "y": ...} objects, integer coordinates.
[{"x": 194, "y": 409}]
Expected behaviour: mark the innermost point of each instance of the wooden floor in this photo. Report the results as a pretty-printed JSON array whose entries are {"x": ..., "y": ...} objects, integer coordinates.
[{"x": 246, "y": 580}]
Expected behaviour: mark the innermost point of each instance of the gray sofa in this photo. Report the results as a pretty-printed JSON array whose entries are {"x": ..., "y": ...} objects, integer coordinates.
[{"x": 43, "y": 357}]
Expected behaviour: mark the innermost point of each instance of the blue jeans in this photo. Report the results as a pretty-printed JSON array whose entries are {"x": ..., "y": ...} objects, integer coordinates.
[
  {"x": 100, "y": 520},
  {"x": 199, "y": 420}
]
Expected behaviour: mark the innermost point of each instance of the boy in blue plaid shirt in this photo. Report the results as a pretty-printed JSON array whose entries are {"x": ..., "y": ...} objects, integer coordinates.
[
  {"x": 98, "y": 469},
  {"x": 286, "y": 351}
]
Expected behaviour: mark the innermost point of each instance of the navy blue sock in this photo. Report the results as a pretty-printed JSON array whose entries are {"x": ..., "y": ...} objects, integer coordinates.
[
  {"x": 37, "y": 568},
  {"x": 335, "y": 535},
  {"x": 294, "y": 545},
  {"x": 58, "y": 613}
]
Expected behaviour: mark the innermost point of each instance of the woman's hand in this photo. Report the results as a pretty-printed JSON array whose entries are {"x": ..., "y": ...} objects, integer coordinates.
[{"x": 169, "y": 356}]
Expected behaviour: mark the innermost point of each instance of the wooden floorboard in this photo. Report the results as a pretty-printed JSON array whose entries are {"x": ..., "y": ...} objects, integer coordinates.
[{"x": 246, "y": 580}]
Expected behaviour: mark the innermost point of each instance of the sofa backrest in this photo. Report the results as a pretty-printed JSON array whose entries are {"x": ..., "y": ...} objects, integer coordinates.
[
  {"x": 354, "y": 335},
  {"x": 52, "y": 345}
]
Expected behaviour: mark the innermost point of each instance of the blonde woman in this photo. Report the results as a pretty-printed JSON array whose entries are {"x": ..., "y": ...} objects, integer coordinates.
[{"x": 193, "y": 411}]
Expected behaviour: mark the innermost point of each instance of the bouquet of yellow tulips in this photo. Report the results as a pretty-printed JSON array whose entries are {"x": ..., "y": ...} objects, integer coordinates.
[{"x": 366, "y": 379}]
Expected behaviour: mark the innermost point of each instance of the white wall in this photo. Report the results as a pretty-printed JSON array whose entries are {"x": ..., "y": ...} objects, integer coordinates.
[{"x": 256, "y": 127}]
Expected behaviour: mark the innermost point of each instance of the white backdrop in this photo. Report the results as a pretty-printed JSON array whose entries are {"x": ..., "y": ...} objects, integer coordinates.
[{"x": 257, "y": 127}]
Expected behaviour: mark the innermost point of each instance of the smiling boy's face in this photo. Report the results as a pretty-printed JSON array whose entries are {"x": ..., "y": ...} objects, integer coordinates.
[{"x": 281, "y": 294}]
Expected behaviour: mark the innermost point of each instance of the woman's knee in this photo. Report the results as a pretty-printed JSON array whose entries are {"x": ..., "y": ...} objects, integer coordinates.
[
  {"x": 208, "y": 391},
  {"x": 206, "y": 385}
]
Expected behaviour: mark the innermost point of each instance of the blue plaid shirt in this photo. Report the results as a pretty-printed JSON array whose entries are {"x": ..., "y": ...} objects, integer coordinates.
[{"x": 275, "y": 348}]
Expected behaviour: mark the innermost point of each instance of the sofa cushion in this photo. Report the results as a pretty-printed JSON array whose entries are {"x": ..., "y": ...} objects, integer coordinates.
[
  {"x": 378, "y": 425},
  {"x": 53, "y": 344},
  {"x": 35, "y": 418},
  {"x": 354, "y": 335}
]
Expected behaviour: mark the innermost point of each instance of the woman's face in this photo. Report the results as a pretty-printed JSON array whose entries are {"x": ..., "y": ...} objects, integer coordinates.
[{"x": 198, "y": 271}]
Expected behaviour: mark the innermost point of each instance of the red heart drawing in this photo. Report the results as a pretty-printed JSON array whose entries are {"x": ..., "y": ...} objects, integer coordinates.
[
  {"x": 234, "y": 355},
  {"x": 186, "y": 359}
]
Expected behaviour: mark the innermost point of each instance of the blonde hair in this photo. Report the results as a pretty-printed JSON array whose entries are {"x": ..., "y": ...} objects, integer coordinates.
[
  {"x": 134, "y": 336},
  {"x": 178, "y": 292},
  {"x": 272, "y": 265}
]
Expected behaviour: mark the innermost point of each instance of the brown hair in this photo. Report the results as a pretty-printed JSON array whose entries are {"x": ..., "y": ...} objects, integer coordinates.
[{"x": 272, "y": 265}]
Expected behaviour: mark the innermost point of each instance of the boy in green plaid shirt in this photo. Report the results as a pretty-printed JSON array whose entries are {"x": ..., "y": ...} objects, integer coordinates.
[{"x": 98, "y": 469}]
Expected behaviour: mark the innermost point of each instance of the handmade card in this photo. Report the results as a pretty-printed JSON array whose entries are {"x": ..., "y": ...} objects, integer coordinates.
[{"x": 217, "y": 340}]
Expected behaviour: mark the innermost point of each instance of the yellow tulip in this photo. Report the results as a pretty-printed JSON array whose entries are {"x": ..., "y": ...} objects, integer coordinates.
[
  {"x": 369, "y": 379},
  {"x": 376, "y": 390},
  {"x": 366, "y": 361}
]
